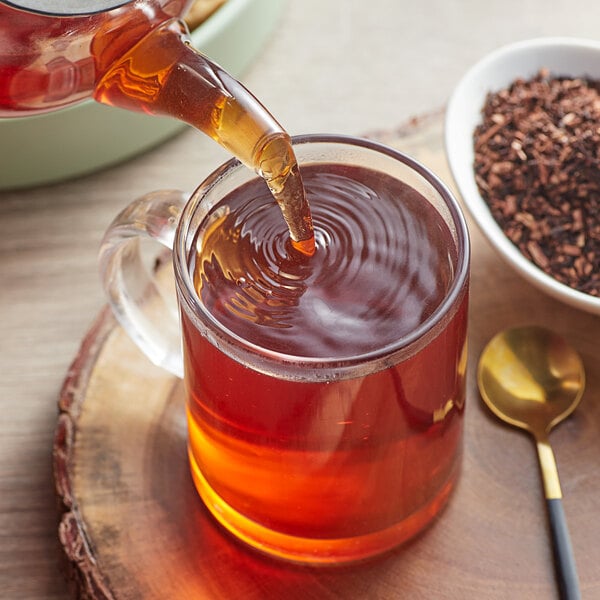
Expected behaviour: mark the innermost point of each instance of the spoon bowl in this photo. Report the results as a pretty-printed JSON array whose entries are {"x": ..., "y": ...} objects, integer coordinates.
[{"x": 531, "y": 378}]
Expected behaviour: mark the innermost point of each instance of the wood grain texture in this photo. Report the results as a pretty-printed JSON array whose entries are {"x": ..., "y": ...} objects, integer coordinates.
[{"x": 133, "y": 526}]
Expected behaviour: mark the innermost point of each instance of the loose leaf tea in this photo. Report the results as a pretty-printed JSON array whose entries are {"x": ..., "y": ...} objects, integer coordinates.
[{"x": 537, "y": 155}]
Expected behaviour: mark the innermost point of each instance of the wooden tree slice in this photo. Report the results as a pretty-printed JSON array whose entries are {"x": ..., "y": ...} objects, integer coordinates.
[{"x": 133, "y": 526}]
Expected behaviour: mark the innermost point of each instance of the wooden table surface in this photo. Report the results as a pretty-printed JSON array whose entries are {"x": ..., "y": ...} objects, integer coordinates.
[
  {"x": 124, "y": 477},
  {"x": 340, "y": 66}
]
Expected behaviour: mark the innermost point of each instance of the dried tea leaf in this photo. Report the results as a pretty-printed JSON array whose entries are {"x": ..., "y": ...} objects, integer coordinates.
[{"x": 537, "y": 166}]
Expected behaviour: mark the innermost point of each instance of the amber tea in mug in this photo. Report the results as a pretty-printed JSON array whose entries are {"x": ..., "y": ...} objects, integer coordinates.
[{"x": 325, "y": 393}]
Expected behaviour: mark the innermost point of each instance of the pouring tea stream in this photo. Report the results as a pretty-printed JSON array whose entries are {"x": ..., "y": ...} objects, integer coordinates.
[{"x": 531, "y": 378}]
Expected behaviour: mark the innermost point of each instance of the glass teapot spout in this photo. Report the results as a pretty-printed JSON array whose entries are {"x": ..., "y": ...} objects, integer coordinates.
[{"x": 163, "y": 74}]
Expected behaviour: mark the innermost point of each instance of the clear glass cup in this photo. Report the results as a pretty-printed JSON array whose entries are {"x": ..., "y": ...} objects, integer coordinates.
[{"x": 313, "y": 459}]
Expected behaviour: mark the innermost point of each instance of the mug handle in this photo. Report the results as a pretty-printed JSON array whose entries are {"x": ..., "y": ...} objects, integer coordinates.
[{"x": 136, "y": 289}]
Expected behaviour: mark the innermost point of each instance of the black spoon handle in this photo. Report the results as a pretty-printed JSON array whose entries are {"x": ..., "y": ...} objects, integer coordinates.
[{"x": 566, "y": 570}]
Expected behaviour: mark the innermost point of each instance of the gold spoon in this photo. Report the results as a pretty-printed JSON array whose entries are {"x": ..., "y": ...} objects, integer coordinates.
[{"x": 531, "y": 378}]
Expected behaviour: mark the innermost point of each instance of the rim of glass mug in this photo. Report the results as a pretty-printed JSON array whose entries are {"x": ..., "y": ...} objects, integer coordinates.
[{"x": 309, "y": 149}]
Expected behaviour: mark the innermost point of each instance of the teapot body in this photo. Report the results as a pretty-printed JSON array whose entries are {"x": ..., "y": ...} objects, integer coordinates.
[{"x": 53, "y": 54}]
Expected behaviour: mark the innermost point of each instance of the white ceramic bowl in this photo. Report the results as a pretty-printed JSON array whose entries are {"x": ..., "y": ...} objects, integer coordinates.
[
  {"x": 563, "y": 57},
  {"x": 79, "y": 139}
]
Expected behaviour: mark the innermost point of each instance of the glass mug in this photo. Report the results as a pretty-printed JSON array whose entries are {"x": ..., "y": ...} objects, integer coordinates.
[{"x": 324, "y": 395}]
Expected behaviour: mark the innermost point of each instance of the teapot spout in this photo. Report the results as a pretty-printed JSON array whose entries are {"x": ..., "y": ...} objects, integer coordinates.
[{"x": 163, "y": 74}]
